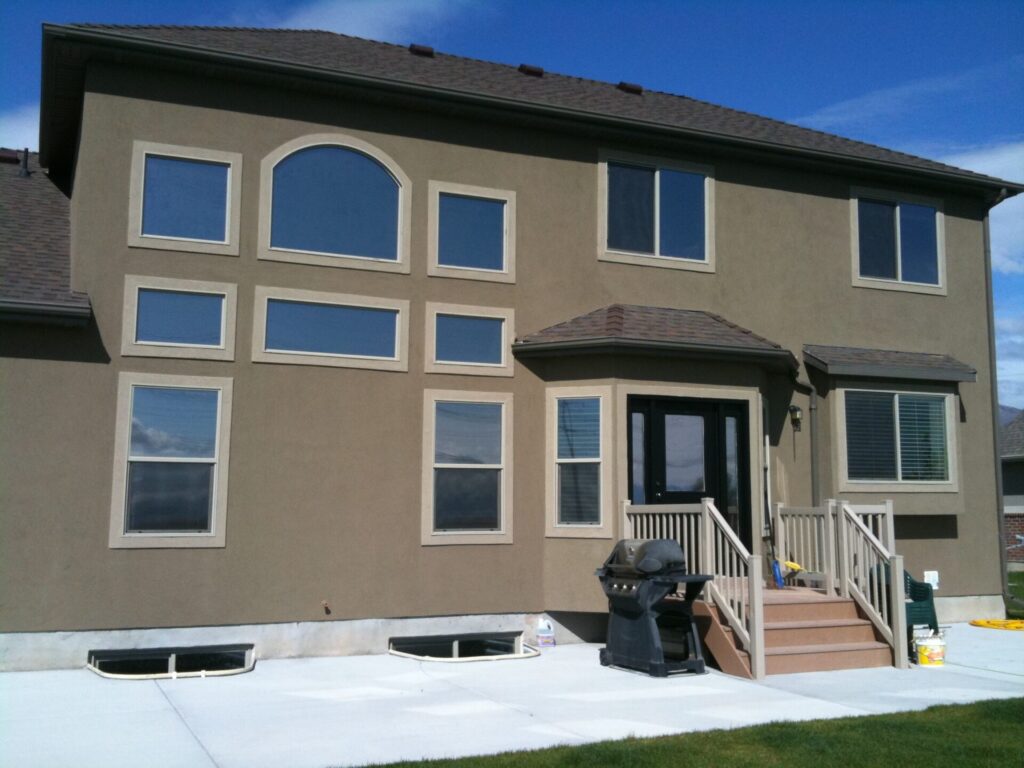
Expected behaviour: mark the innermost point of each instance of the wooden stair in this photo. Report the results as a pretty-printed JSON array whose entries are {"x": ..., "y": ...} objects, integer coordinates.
[{"x": 804, "y": 631}]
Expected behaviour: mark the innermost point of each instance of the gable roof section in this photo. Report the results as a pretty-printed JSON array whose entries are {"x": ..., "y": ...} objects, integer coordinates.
[
  {"x": 886, "y": 363},
  {"x": 35, "y": 251},
  {"x": 630, "y": 327},
  {"x": 318, "y": 53},
  {"x": 1012, "y": 439}
]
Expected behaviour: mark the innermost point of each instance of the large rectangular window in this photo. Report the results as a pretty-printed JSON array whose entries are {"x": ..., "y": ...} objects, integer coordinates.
[
  {"x": 313, "y": 328},
  {"x": 897, "y": 437},
  {"x": 898, "y": 243},
  {"x": 169, "y": 478},
  {"x": 579, "y": 461},
  {"x": 466, "y": 488},
  {"x": 167, "y": 317},
  {"x": 184, "y": 198},
  {"x": 472, "y": 232},
  {"x": 657, "y": 211}
]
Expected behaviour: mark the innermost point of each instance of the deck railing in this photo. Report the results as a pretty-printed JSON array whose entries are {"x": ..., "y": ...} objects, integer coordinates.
[
  {"x": 873, "y": 577},
  {"x": 806, "y": 535},
  {"x": 713, "y": 548}
]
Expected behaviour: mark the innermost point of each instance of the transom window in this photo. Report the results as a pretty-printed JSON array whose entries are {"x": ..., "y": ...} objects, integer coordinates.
[
  {"x": 467, "y": 476},
  {"x": 314, "y": 328},
  {"x": 170, "y": 488},
  {"x": 179, "y": 318},
  {"x": 335, "y": 200},
  {"x": 471, "y": 232},
  {"x": 896, "y": 437},
  {"x": 657, "y": 211},
  {"x": 167, "y": 317},
  {"x": 184, "y": 198},
  {"x": 579, "y": 460},
  {"x": 468, "y": 340}
]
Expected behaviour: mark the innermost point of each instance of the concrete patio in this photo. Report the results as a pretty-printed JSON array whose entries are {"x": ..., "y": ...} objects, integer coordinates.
[{"x": 371, "y": 709}]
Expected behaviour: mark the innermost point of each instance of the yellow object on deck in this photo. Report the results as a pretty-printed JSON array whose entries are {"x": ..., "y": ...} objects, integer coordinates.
[
  {"x": 793, "y": 566},
  {"x": 1017, "y": 624}
]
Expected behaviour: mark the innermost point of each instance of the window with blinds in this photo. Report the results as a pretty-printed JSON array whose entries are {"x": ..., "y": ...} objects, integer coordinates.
[
  {"x": 579, "y": 461},
  {"x": 896, "y": 437}
]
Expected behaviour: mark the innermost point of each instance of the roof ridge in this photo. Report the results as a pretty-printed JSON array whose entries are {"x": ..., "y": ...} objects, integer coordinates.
[
  {"x": 877, "y": 349},
  {"x": 747, "y": 331}
]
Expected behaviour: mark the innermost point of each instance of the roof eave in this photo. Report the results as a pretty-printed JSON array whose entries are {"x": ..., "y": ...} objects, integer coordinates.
[
  {"x": 780, "y": 358},
  {"x": 999, "y": 188},
  {"x": 44, "y": 312},
  {"x": 876, "y": 371}
]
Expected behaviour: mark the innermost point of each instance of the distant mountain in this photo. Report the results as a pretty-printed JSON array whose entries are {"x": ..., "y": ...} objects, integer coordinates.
[{"x": 1007, "y": 413}]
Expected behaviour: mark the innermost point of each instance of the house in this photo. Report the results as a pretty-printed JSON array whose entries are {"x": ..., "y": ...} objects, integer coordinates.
[
  {"x": 1012, "y": 454},
  {"x": 311, "y": 342}
]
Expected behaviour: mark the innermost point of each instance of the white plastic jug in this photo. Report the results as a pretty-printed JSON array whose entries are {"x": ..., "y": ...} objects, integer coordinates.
[{"x": 545, "y": 634}]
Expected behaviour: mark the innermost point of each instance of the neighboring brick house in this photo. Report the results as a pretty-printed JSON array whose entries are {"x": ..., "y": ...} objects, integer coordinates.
[
  {"x": 313, "y": 341},
  {"x": 1013, "y": 487}
]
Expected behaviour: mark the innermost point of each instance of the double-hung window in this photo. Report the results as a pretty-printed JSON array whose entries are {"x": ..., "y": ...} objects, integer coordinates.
[
  {"x": 184, "y": 199},
  {"x": 657, "y": 213},
  {"x": 579, "y": 472},
  {"x": 471, "y": 232},
  {"x": 898, "y": 242},
  {"x": 316, "y": 328},
  {"x": 897, "y": 439},
  {"x": 171, "y": 458},
  {"x": 467, "y": 340},
  {"x": 178, "y": 318},
  {"x": 467, "y": 470}
]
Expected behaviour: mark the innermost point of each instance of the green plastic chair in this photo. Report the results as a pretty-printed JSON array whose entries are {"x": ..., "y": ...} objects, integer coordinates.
[{"x": 920, "y": 605}]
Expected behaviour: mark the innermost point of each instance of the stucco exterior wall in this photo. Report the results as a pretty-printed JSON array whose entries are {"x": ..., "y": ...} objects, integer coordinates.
[{"x": 324, "y": 478}]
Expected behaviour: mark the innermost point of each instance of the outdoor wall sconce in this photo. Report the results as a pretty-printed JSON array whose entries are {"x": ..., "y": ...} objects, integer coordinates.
[{"x": 796, "y": 417}]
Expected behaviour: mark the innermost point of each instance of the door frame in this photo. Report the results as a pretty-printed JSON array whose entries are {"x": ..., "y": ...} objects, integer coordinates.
[{"x": 755, "y": 439}]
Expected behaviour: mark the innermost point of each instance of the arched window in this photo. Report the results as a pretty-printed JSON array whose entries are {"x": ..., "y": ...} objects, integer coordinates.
[{"x": 336, "y": 201}]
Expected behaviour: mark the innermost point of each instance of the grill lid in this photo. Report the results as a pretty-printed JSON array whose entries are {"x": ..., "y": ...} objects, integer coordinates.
[{"x": 650, "y": 558}]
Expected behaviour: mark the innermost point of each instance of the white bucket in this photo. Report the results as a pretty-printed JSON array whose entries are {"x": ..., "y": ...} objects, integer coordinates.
[
  {"x": 545, "y": 634},
  {"x": 931, "y": 651}
]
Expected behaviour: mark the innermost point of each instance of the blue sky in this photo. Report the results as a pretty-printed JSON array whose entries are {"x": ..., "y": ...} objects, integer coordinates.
[{"x": 940, "y": 79}]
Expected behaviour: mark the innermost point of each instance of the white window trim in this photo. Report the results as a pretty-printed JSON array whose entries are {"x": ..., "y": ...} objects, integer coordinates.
[
  {"x": 604, "y": 253},
  {"x": 317, "y": 258},
  {"x": 885, "y": 284},
  {"x": 260, "y": 354},
  {"x": 604, "y": 529},
  {"x": 847, "y": 485},
  {"x": 435, "y": 268},
  {"x": 232, "y": 206},
  {"x": 433, "y": 365},
  {"x": 428, "y": 536},
  {"x": 131, "y": 348},
  {"x": 122, "y": 442}
]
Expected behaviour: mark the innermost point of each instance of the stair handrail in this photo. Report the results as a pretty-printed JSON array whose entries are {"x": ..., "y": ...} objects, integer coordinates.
[
  {"x": 737, "y": 587},
  {"x": 873, "y": 577}
]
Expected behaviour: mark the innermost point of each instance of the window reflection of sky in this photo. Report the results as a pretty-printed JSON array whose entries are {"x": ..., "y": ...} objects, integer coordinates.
[{"x": 174, "y": 422}]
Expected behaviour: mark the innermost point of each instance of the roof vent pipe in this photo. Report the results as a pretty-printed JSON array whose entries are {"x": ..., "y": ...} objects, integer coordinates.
[
  {"x": 24, "y": 171},
  {"x": 421, "y": 50},
  {"x": 531, "y": 70},
  {"x": 633, "y": 88}
]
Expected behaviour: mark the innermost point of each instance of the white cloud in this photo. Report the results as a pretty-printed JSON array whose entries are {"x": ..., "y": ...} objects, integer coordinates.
[
  {"x": 403, "y": 21},
  {"x": 1010, "y": 358},
  {"x": 873, "y": 108},
  {"x": 1005, "y": 161},
  {"x": 19, "y": 127}
]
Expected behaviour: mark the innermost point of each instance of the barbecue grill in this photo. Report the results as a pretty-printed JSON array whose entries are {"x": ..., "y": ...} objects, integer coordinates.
[{"x": 650, "y": 625}]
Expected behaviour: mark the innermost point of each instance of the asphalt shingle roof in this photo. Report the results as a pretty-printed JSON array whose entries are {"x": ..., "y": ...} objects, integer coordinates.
[
  {"x": 35, "y": 237},
  {"x": 633, "y": 325},
  {"x": 1012, "y": 438},
  {"x": 887, "y": 363},
  {"x": 342, "y": 54}
]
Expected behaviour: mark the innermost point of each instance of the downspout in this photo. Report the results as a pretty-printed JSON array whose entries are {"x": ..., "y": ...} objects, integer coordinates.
[
  {"x": 996, "y": 428},
  {"x": 813, "y": 407}
]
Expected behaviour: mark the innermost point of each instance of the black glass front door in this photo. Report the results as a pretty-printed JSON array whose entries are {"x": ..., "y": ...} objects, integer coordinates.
[{"x": 682, "y": 450}]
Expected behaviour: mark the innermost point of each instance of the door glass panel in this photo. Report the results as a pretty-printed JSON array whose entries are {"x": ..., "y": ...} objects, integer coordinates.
[
  {"x": 732, "y": 472},
  {"x": 684, "y": 453},
  {"x": 639, "y": 495}
]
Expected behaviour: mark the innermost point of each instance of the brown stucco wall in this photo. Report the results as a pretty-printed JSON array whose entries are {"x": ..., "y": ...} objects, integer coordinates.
[{"x": 324, "y": 479}]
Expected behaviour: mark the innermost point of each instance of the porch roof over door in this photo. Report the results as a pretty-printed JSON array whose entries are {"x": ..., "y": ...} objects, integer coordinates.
[{"x": 663, "y": 331}]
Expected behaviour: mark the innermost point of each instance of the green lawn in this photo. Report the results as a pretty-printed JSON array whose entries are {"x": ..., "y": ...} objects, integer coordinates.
[
  {"x": 1017, "y": 590},
  {"x": 986, "y": 734}
]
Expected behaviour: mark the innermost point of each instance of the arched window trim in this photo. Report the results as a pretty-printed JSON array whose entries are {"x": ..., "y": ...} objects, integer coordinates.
[{"x": 265, "y": 251}]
